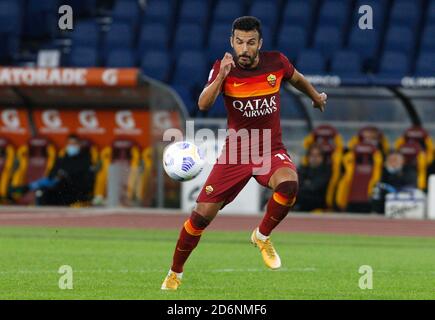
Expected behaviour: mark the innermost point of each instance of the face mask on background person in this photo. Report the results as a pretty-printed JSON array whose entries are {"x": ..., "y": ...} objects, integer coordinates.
[
  {"x": 72, "y": 150},
  {"x": 393, "y": 170}
]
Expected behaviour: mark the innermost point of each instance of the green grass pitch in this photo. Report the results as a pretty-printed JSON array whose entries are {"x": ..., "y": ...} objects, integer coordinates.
[{"x": 131, "y": 264}]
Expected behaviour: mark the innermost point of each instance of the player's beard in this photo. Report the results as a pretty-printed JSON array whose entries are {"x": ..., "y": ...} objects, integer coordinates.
[{"x": 251, "y": 60}]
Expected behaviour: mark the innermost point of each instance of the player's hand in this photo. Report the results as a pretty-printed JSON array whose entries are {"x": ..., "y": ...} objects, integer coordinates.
[
  {"x": 226, "y": 63},
  {"x": 320, "y": 101}
]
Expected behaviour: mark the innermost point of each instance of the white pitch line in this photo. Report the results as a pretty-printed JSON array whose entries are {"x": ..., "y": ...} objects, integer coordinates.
[
  {"x": 27, "y": 216},
  {"x": 225, "y": 270},
  {"x": 310, "y": 269}
]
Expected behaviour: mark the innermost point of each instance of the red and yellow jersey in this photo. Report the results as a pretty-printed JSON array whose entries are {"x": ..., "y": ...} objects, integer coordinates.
[{"x": 252, "y": 96}]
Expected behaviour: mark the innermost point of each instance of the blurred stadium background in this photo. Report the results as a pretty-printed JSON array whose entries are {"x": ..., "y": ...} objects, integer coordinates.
[{"x": 382, "y": 78}]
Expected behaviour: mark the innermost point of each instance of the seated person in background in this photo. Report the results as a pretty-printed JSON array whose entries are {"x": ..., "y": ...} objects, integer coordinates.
[
  {"x": 395, "y": 177},
  {"x": 70, "y": 180},
  {"x": 431, "y": 169},
  {"x": 313, "y": 181}
]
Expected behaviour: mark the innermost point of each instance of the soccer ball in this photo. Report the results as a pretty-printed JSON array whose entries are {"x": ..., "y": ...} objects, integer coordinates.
[{"x": 183, "y": 160}]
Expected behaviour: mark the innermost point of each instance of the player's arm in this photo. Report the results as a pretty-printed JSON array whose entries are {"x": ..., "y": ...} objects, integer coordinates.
[
  {"x": 209, "y": 94},
  {"x": 302, "y": 84}
]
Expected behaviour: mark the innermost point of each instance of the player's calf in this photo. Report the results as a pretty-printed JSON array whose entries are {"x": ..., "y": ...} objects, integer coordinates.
[
  {"x": 189, "y": 237},
  {"x": 279, "y": 205},
  {"x": 282, "y": 200}
]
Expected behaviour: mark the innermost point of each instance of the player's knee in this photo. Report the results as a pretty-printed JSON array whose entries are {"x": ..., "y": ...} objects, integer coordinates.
[
  {"x": 199, "y": 221},
  {"x": 196, "y": 224},
  {"x": 285, "y": 192},
  {"x": 208, "y": 210},
  {"x": 288, "y": 188}
]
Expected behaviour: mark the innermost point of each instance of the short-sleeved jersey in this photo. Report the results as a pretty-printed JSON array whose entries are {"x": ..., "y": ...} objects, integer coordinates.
[{"x": 252, "y": 96}]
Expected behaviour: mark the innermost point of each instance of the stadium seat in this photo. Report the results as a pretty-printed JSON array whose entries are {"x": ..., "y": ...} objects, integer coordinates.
[
  {"x": 311, "y": 62},
  {"x": 324, "y": 134},
  {"x": 227, "y": 10},
  {"x": 427, "y": 42},
  {"x": 382, "y": 3},
  {"x": 156, "y": 64},
  {"x": 41, "y": 18},
  {"x": 191, "y": 69},
  {"x": 421, "y": 136},
  {"x": 266, "y": 11},
  {"x": 10, "y": 17},
  {"x": 425, "y": 64},
  {"x": 10, "y": 30},
  {"x": 85, "y": 33},
  {"x": 400, "y": 39},
  {"x": 415, "y": 159},
  {"x": 7, "y": 157},
  {"x": 291, "y": 40},
  {"x": 34, "y": 161},
  {"x": 159, "y": 11},
  {"x": 126, "y": 12},
  {"x": 365, "y": 42},
  {"x": 332, "y": 145},
  {"x": 126, "y": 156},
  {"x": 9, "y": 46},
  {"x": 380, "y": 142},
  {"x": 120, "y": 58},
  {"x": 430, "y": 15},
  {"x": 328, "y": 40},
  {"x": 83, "y": 8},
  {"x": 298, "y": 14},
  {"x": 153, "y": 36},
  {"x": 120, "y": 36},
  {"x": 362, "y": 170},
  {"x": 219, "y": 41},
  {"x": 84, "y": 57},
  {"x": 186, "y": 95},
  {"x": 346, "y": 63},
  {"x": 394, "y": 65},
  {"x": 188, "y": 36},
  {"x": 268, "y": 37},
  {"x": 405, "y": 13},
  {"x": 193, "y": 11},
  {"x": 334, "y": 13}
]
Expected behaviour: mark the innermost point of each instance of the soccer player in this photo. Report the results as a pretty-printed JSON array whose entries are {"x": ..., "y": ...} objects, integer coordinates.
[{"x": 249, "y": 80}]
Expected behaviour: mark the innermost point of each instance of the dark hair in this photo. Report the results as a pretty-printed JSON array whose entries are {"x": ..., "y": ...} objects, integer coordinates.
[
  {"x": 317, "y": 146},
  {"x": 247, "y": 23},
  {"x": 73, "y": 136}
]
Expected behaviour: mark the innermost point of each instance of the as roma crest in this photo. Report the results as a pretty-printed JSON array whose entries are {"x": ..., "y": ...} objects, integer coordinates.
[{"x": 271, "y": 78}]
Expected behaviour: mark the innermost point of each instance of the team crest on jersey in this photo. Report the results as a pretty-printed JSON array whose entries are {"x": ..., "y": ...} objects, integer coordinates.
[
  {"x": 208, "y": 189},
  {"x": 271, "y": 78}
]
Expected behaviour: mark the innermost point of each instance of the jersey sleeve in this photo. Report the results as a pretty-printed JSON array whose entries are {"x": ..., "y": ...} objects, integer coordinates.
[
  {"x": 214, "y": 72},
  {"x": 288, "y": 67}
]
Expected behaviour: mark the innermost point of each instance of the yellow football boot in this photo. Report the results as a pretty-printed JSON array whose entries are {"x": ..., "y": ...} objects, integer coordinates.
[
  {"x": 172, "y": 282},
  {"x": 268, "y": 252}
]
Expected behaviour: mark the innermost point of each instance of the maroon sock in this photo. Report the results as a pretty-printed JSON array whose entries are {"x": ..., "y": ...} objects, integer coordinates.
[
  {"x": 188, "y": 239},
  {"x": 279, "y": 205}
]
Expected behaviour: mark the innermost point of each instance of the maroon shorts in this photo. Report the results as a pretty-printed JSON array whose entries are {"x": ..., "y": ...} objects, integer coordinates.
[{"x": 226, "y": 180}]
